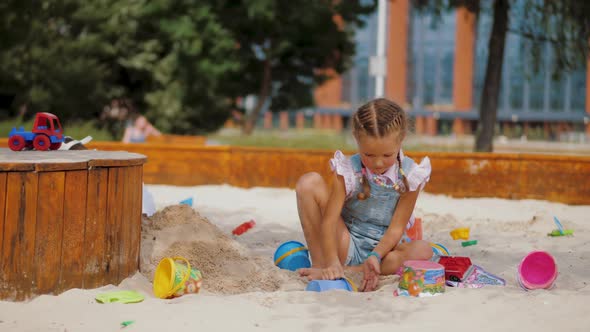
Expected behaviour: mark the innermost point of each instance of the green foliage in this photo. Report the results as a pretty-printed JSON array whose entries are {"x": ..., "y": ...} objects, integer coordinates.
[
  {"x": 307, "y": 139},
  {"x": 286, "y": 46},
  {"x": 72, "y": 57},
  {"x": 81, "y": 129},
  {"x": 188, "y": 93},
  {"x": 183, "y": 63},
  {"x": 171, "y": 57},
  {"x": 45, "y": 64}
]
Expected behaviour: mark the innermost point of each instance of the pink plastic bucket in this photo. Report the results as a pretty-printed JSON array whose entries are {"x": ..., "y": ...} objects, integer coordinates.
[{"x": 537, "y": 270}]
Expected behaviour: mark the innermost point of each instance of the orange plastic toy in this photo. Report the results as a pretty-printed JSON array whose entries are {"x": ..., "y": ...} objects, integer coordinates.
[{"x": 415, "y": 232}]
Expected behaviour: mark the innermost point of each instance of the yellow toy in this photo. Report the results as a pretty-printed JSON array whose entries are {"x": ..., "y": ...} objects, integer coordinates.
[
  {"x": 174, "y": 279},
  {"x": 460, "y": 233}
]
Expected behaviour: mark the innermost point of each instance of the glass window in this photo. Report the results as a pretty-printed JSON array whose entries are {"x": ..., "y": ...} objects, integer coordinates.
[
  {"x": 523, "y": 87},
  {"x": 431, "y": 60}
]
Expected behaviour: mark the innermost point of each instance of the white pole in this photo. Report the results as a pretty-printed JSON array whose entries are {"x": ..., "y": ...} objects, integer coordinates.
[{"x": 381, "y": 26}]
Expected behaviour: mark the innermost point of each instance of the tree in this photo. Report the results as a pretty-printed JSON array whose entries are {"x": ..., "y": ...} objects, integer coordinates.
[
  {"x": 188, "y": 94},
  {"x": 287, "y": 47},
  {"x": 565, "y": 24},
  {"x": 185, "y": 62},
  {"x": 488, "y": 108},
  {"x": 170, "y": 57},
  {"x": 45, "y": 64}
]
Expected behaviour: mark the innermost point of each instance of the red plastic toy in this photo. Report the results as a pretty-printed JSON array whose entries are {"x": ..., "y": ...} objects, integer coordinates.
[
  {"x": 46, "y": 134},
  {"x": 244, "y": 227},
  {"x": 456, "y": 267}
]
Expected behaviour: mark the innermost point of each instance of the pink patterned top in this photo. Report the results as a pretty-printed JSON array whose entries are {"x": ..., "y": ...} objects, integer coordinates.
[{"x": 417, "y": 176}]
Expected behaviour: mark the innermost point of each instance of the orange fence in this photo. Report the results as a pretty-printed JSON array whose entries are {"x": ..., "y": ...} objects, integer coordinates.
[
  {"x": 515, "y": 176},
  {"x": 563, "y": 179},
  {"x": 177, "y": 139}
]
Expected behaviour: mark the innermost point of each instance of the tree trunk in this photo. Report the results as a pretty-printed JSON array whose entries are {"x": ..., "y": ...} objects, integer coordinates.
[
  {"x": 488, "y": 108},
  {"x": 250, "y": 119}
]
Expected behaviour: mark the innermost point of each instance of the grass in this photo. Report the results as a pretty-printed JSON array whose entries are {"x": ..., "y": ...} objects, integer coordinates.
[
  {"x": 316, "y": 139},
  {"x": 77, "y": 130},
  {"x": 329, "y": 140},
  {"x": 309, "y": 139}
]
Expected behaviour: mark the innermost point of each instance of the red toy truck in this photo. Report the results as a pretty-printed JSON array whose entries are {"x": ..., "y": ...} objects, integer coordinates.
[{"x": 46, "y": 134}]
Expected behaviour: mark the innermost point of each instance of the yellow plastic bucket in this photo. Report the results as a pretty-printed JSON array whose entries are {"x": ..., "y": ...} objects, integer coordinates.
[{"x": 173, "y": 278}]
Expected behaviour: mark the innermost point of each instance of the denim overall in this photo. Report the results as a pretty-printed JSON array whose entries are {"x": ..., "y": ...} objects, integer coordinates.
[{"x": 367, "y": 220}]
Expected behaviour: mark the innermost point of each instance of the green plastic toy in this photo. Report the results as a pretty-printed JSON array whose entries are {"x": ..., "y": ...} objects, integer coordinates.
[
  {"x": 127, "y": 323},
  {"x": 560, "y": 231},
  {"x": 468, "y": 243},
  {"x": 557, "y": 232},
  {"x": 124, "y": 296}
]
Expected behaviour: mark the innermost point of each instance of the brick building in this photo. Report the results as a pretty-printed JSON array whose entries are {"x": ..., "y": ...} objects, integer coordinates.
[{"x": 436, "y": 70}]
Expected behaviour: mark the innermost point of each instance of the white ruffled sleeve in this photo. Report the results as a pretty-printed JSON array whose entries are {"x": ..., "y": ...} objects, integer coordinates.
[
  {"x": 343, "y": 167},
  {"x": 419, "y": 174}
]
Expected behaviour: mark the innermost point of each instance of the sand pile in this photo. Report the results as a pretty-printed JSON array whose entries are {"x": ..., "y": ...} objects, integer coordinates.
[{"x": 227, "y": 266}]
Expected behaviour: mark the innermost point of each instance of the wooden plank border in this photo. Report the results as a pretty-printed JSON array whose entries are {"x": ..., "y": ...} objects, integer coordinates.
[{"x": 559, "y": 178}]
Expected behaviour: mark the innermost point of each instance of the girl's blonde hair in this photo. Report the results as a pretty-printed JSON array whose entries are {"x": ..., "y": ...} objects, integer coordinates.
[{"x": 378, "y": 118}]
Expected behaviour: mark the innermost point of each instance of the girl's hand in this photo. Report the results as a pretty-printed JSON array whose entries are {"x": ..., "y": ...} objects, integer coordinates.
[
  {"x": 371, "y": 272},
  {"x": 332, "y": 272}
]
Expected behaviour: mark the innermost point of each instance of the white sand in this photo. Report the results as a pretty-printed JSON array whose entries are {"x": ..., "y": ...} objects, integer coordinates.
[{"x": 506, "y": 231}]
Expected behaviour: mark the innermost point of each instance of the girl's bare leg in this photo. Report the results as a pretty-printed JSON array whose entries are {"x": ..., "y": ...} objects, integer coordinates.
[
  {"x": 419, "y": 250},
  {"x": 312, "y": 197}
]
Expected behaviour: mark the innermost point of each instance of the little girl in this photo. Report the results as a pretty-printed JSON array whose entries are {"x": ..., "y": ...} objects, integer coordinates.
[
  {"x": 361, "y": 220},
  {"x": 140, "y": 129}
]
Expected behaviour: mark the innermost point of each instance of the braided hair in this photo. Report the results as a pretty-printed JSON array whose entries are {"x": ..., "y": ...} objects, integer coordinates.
[{"x": 378, "y": 118}]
